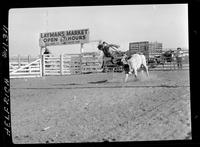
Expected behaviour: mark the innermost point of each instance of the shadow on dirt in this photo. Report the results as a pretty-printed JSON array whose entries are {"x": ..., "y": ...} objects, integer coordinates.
[
  {"x": 83, "y": 86},
  {"x": 98, "y": 82},
  {"x": 70, "y": 84}
]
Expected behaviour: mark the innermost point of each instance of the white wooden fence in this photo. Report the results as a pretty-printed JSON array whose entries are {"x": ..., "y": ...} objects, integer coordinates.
[
  {"x": 70, "y": 64},
  {"x": 90, "y": 62},
  {"x": 172, "y": 65},
  {"x": 61, "y": 65},
  {"x": 169, "y": 66},
  {"x": 33, "y": 69},
  {"x": 55, "y": 65},
  {"x": 16, "y": 62}
]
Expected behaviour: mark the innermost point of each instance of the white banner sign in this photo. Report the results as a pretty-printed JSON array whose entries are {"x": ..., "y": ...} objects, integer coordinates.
[{"x": 64, "y": 37}]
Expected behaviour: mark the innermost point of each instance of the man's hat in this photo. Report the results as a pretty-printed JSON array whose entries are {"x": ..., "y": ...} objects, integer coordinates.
[{"x": 100, "y": 46}]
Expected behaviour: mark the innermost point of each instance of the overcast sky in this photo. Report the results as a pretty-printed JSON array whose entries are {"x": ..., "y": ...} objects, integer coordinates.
[{"x": 167, "y": 23}]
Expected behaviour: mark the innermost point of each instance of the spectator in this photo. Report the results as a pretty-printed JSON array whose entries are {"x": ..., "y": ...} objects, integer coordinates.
[
  {"x": 47, "y": 52},
  {"x": 179, "y": 55}
]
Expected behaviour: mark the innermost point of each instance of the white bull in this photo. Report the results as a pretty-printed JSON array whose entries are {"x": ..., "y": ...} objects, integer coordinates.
[{"x": 135, "y": 63}]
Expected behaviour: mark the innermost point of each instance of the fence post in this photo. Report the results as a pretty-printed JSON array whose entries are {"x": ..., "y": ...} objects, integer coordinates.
[
  {"x": 171, "y": 65},
  {"x": 43, "y": 65},
  {"x": 174, "y": 63},
  {"x": 81, "y": 54},
  {"x": 61, "y": 64},
  {"x": 28, "y": 58},
  {"x": 29, "y": 68},
  {"x": 19, "y": 64}
]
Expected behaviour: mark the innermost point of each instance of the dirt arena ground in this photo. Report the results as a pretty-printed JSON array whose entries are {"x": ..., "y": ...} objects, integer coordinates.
[{"x": 100, "y": 107}]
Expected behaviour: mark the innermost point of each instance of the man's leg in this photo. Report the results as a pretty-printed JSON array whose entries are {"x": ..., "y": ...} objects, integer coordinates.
[
  {"x": 177, "y": 61},
  {"x": 102, "y": 64},
  {"x": 112, "y": 60},
  {"x": 181, "y": 65},
  {"x": 126, "y": 77}
]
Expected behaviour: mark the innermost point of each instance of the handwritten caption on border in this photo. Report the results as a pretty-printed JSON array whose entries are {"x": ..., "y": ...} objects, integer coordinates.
[{"x": 6, "y": 84}]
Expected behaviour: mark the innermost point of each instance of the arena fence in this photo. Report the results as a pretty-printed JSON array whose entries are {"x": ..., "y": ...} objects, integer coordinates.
[
  {"x": 170, "y": 65},
  {"x": 68, "y": 64},
  {"x": 155, "y": 66},
  {"x": 16, "y": 62},
  {"x": 33, "y": 69},
  {"x": 90, "y": 62},
  {"x": 71, "y": 64}
]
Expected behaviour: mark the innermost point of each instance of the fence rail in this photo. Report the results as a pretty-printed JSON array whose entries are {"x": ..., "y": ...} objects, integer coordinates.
[
  {"x": 168, "y": 66},
  {"x": 33, "y": 69},
  {"x": 72, "y": 64}
]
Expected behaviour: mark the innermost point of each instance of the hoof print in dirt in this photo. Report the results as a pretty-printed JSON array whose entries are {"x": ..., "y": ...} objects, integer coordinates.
[
  {"x": 47, "y": 141},
  {"x": 17, "y": 137},
  {"x": 188, "y": 124},
  {"x": 26, "y": 136},
  {"x": 72, "y": 134},
  {"x": 108, "y": 139},
  {"x": 122, "y": 124},
  {"x": 50, "y": 140},
  {"x": 189, "y": 136},
  {"x": 105, "y": 140}
]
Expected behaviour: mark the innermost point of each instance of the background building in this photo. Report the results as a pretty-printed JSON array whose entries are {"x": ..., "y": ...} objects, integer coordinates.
[
  {"x": 155, "y": 48},
  {"x": 149, "y": 49},
  {"x": 136, "y": 47}
]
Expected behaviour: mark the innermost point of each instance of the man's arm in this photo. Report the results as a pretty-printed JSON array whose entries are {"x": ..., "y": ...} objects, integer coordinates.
[{"x": 114, "y": 45}]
